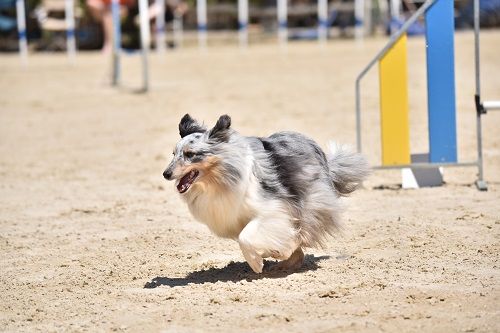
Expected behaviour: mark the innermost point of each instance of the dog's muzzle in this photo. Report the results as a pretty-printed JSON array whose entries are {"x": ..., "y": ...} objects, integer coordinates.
[{"x": 167, "y": 174}]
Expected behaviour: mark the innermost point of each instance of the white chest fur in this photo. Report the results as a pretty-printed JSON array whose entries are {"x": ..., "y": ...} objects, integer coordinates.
[{"x": 225, "y": 213}]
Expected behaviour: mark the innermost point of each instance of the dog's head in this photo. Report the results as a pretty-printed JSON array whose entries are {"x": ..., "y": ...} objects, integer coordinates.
[{"x": 197, "y": 158}]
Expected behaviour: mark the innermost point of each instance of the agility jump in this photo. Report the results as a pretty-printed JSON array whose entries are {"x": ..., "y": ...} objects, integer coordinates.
[
  {"x": 202, "y": 23},
  {"x": 282, "y": 19},
  {"x": 69, "y": 18},
  {"x": 394, "y": 106},
  {"x": 145, "y": 41}
]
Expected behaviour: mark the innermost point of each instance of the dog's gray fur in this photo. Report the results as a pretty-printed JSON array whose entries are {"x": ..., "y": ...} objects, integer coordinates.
[{"x": 287, "y": 172}]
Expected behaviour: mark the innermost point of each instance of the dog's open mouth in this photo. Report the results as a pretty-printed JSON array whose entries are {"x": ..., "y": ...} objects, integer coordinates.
[{"x": 186, "y": 181}]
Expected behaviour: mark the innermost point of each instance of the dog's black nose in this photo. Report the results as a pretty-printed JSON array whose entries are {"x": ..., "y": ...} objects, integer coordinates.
[{"x": 167, "y": 174}]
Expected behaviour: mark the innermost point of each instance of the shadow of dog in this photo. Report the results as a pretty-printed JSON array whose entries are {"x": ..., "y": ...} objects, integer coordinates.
[{"x": 234, "y": 272}]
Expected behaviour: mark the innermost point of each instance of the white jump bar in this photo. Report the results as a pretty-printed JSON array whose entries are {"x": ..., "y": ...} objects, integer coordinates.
[{"x": 491, "y": 105}]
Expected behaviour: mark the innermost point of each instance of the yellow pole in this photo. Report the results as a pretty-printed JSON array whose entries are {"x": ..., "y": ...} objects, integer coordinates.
[{"x": 393, "y": 73}]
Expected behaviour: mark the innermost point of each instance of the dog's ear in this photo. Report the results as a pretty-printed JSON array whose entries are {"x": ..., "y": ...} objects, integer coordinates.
[
  {"x": 189, "y": 126},
  {"x": 220, "y": 132}
]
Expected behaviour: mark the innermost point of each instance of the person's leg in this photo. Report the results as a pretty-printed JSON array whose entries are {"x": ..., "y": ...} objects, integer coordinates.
[
  {"x": 101, "y": 12},
  {"x": 107, "y": 25},
  {"x": 96, "y": 8}
]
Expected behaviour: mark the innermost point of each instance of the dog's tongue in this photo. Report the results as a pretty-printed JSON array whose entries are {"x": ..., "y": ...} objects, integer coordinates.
[{"x": 186, "y": 181}]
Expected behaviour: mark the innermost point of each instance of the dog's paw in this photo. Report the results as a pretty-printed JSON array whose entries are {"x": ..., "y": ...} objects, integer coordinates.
[
  {"x": 252, "y": 257},
  {"x": 256, "y": 265}
]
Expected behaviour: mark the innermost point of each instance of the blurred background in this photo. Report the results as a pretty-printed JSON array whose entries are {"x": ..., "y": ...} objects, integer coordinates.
[
  {"x": 87, "y": 219},
  {"x": 46, "y": 28}
]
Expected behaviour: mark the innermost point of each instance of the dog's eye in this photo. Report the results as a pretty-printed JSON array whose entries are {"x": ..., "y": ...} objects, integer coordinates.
[{"x": 188, "y": 154}]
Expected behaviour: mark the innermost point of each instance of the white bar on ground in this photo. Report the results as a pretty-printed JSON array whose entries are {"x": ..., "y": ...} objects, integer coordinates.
[
  {"x": 69, "y": 15},
  {"x": 282, "y": 21},
  {"x": 243, "y": 22},
  {"x": 160, "y": 27},
  {"x": 359, "y": 19},
  {"x": 201, "y": 14},
  {"x": 416, "y": 177},
  {"x": 322, "y": 20},
  {"x": 21, "y": 29},
  {"x": 145, "y": 41},
  {"x": 491, "y": 105}
]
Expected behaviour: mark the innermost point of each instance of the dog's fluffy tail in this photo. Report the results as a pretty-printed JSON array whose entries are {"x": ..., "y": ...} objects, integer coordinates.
[{"x": 347, "y": 168}]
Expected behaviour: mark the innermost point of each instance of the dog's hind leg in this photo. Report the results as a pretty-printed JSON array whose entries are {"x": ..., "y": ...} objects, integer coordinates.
[
  {"x": 294, "y": 262},
  {"x": 262, "y": 238}
]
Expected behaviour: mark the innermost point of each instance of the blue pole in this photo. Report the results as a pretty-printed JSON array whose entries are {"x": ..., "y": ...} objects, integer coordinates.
[{"x": 441, "y": 82}]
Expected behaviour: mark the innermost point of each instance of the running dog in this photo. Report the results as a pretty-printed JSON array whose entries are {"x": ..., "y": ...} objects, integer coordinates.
[{"x": 273, "y": 195}]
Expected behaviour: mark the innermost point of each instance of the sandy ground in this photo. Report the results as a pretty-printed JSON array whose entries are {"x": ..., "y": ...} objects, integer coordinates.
[{"x": 87, "y": 221}]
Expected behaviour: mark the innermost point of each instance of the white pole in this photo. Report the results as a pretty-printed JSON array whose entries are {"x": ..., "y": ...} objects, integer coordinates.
[
  {"x": 359, "y": 19},
  {"x": 282, "y": 21},
  {"x": 322, "y": 20},
  {"x": 21, "y": 30},
  {"x": 395, "y": 14},
  {"x": 145, "y": 41},
  {"x": 201, "y": 13},
  {"x": 491, "y": 105},
  {"x": 177, "y": 27},
  {"x": 69, "y": 14},
  {"x": 115, "y": 13},
  {"x": 160, "y": 27},
  {"x": 243, "y": 22}
]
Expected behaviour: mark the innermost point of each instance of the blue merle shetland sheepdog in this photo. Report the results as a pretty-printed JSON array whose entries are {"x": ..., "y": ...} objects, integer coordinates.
[{"x": 273, "y": 195}]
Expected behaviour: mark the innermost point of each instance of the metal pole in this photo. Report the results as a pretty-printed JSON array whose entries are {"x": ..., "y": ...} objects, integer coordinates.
[
  {"x": 368, "y": 24},
  {"x": 201, "y": 14},
  {"x": 322, "y": 20},
  {"x": 394, "y": 38},
  {"x": 359, "y": 19},
  {"x": 160, "y": 27},
  {"x": 282, "y": 21},
  {"x": 243, "y": 22},
  {"x": 358, "y": 115},
  {"x": 145, "y": 41},
  {"x": 476, "y": 48},
  {"x": 69, "y": 14},
  {"x": 21, "y": 30},
  {"x": 480, "y": 183},
  {"x": 395, "y": 14},
  {"x": 425, "y": 165},
  {"x": 115, "y": 13},
  {"x": 177, "y": 27}
]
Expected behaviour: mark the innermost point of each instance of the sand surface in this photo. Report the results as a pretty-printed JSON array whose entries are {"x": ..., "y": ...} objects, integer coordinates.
[{"x": 87, "y": 221}]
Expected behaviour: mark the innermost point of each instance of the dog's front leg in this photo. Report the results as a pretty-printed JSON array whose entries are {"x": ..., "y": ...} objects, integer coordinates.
[
  {"x": 248, "y": 245},
  {"x": 267, "y": 237},
  {"x": 255, "y": 261}
]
